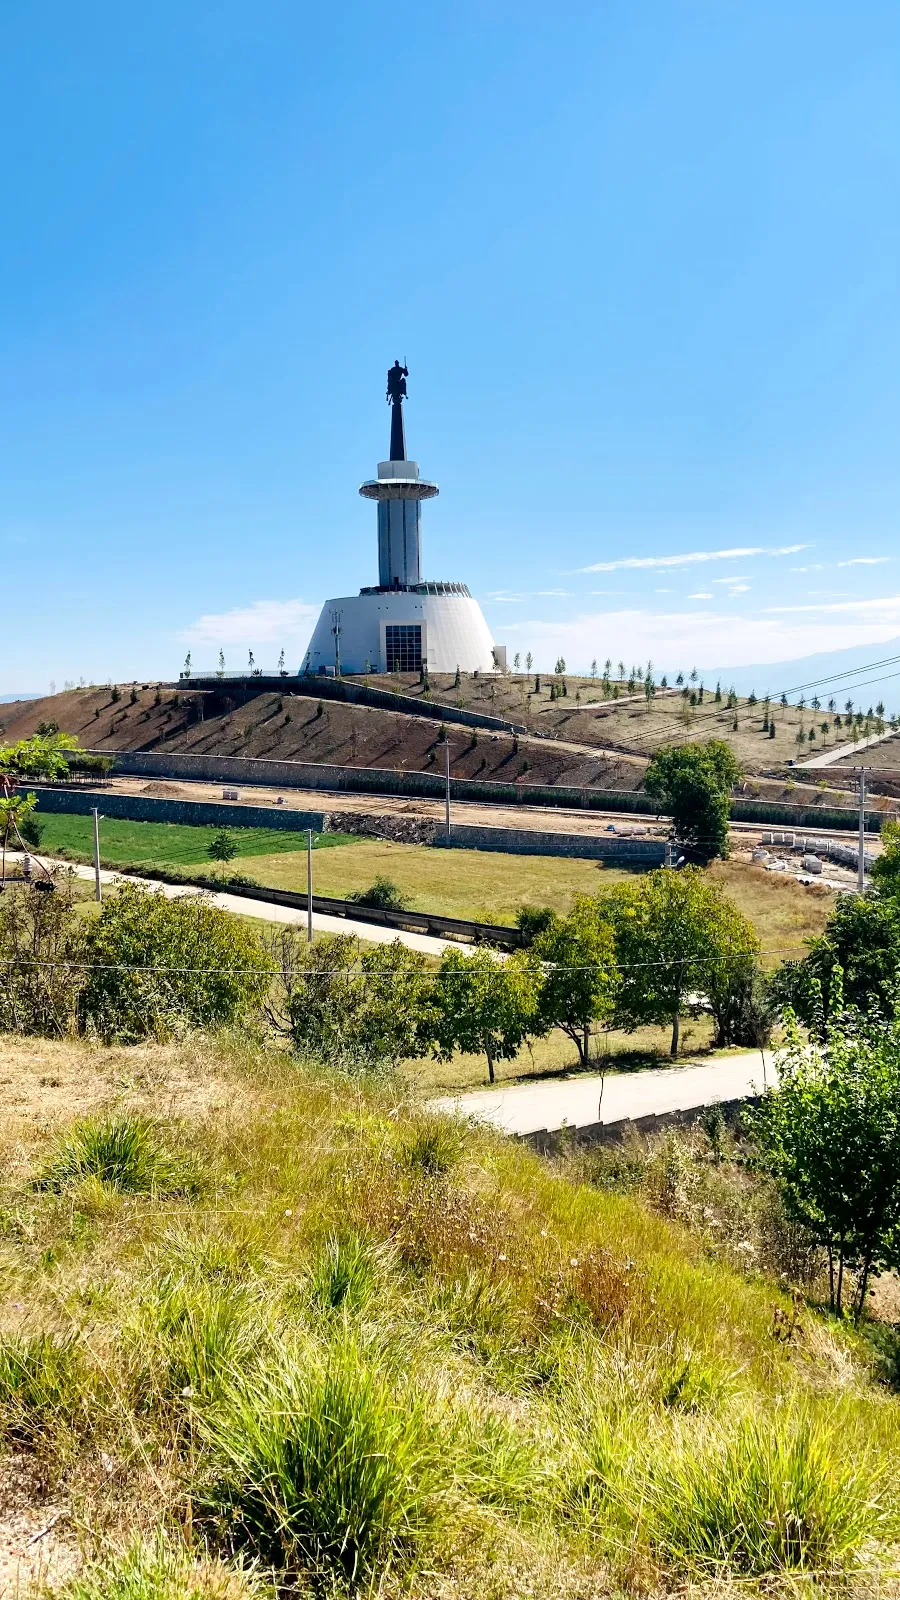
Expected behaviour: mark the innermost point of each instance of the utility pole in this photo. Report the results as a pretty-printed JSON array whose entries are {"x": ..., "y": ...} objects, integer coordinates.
[
  {"x": 309, "y": 926},
  {"x": 98, "y": 892},
  {"x": 447, "y": 781},
  {"x": 861, "y": 868}
]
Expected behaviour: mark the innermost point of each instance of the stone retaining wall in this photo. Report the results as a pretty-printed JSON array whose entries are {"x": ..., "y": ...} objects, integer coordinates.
[{"x": 530, "y": 842}]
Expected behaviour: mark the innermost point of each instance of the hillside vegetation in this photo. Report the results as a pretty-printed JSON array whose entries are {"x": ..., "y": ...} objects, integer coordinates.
[{"x": 257, "y": 1313}]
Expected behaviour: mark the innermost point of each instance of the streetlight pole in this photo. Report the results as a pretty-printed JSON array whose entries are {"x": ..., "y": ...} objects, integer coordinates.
[
  {"x": 309, "y": 926},
  {"x": 98, "y": 891},
  {"x": 447, "y": 780}
]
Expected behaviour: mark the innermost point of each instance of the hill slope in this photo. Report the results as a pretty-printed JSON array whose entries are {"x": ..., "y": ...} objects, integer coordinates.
[{"x": 268, "y": 1311}]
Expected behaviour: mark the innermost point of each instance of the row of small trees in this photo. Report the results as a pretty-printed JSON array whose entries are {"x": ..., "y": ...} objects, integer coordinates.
[{"x": 642, "y": 954}]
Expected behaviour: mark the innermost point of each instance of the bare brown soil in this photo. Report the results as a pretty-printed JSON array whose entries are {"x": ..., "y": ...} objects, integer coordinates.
[{"x": 580, "y": 746}]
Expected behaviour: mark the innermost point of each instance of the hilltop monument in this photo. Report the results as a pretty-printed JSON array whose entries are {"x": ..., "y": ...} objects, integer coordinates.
[{"x": 405, "y": 622}]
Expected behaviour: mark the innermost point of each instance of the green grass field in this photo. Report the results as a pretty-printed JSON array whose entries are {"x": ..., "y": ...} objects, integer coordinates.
[{"x": 167, "y": 844}]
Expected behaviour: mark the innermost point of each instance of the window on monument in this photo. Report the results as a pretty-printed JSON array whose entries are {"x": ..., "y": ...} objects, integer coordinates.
[{"x": 403, "y": 646}]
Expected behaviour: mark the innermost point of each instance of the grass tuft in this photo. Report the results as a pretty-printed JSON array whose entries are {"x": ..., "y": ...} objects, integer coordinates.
[
  {"x": 341, "y": 1273},
  {"x": 124, "y": 1151},
  {"x": 42, "y": 1386},
  {"x": 159, "y": 1569},
  {"x": 782, "y": 1493},
  {"x": 325, "y": 1465},
  {"x": 431, "y": 1145}
]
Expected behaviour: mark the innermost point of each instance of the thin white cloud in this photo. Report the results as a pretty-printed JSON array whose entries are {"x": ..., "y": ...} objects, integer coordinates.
[
  {"x": 702, "y": 595},
  {"x": 691, "y": 557},
  {"x": 737, "y": 577},
  {"x": 865, "y": 561},
  {"x": 263, "y": 622},
  {"x": 888, "y": 605}
]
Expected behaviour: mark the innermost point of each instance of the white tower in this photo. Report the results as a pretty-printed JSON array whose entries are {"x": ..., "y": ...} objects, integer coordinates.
[{"x": 405, "y": 622}]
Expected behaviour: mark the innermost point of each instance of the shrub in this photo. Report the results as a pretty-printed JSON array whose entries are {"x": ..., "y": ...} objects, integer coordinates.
[
  {"x": 326, "y": 1464},
  {"x": 31, "y": 830},
  {"x": 124, "y": 1151},
  {"x": 39, "y": 936},
  {"x": 383, "y": 894},
  {"x": 364, "y": 1007},
  {"x": 533, "y": 920},
  {"x": 782, "y": 1493},
  {"x": 159, "y": 966}
]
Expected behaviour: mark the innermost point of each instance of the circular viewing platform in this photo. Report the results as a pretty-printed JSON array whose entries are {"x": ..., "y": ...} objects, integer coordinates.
[{"x": 398, "y": 489}]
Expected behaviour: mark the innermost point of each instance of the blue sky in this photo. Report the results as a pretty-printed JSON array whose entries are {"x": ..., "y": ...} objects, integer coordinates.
[{"x": 642, "y": 262}]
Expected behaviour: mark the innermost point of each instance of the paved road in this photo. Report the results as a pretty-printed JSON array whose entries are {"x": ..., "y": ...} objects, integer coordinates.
[
  {"x": 528, "y": 1107},
  {"x": 241, "y": 906},
  {"x": 843, "y": 751}
]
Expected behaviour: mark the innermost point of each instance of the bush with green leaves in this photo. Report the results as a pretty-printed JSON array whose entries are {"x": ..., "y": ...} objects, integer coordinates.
[
  {"x": 861, "y": 943},
  {"x": 383, "y": 894},
  {"x": 160, "y": 966},
  {"x": 693, "y": 784},
  {"x": 532, "y": 920},
  {"x": 830, "y": 1137},
  {"x": 41, "y": 949},
  {"x": 351, "y": 1004}
]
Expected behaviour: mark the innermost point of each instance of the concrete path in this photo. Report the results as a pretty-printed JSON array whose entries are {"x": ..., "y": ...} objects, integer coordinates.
[
  {"x": 322, "y": 923},
  {"x": 841, "y": 752},
  {"x": 529, "y": 1107}
]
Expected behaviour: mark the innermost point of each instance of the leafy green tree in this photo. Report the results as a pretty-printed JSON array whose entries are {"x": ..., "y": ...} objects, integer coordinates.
[
  {"x": 830, "y": 1136},
  {"x": 160, "y": 966},
  {"x": 692, "y": 783},
  {"x": 862, "y": 941},
  {"x": 43, "y": 756},
  {"x": 222, "y": 847},
  {"x": 357, "y": 1006},
  {"x": 579, "y": 976},
  {"x": 886, "y": 870},
  {"x": 675, "y": 936},
  {"x": 483, "y": 1006}
]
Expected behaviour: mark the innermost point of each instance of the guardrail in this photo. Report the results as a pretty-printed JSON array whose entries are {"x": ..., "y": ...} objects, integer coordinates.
[{"x": 439, "y": 927}]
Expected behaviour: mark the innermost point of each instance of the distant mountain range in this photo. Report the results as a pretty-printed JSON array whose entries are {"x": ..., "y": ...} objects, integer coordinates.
[
  {"x": 23, "y": 694},
  {"x": 841, "y": 672}
]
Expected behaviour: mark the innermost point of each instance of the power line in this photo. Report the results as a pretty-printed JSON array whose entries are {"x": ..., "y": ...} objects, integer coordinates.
[{"x": 381, "y": 977}]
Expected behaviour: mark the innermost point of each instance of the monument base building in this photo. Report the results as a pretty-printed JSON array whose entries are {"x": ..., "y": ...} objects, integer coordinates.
[{"x": 405, "y": 623}]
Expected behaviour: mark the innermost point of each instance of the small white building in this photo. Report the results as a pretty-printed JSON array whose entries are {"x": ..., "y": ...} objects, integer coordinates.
[{"x": 406, "y": 622}]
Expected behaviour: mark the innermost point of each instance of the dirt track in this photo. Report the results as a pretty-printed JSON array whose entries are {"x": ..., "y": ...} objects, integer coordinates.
[{"x": 548, "y": 818}]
